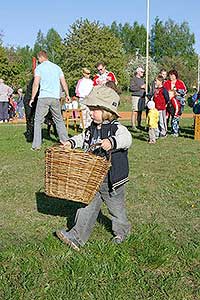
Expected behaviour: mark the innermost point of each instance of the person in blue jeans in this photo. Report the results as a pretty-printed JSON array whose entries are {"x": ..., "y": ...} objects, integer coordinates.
[
  {"x": 49, "y": 77},
  {"x": 114, "y": 137}
]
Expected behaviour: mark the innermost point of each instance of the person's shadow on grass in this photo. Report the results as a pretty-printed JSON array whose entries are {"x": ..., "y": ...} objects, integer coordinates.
[
  {"x": 141, "y": 134},
  {"x": 65, "y": 208},
  {"x": 187, "y": 132}
]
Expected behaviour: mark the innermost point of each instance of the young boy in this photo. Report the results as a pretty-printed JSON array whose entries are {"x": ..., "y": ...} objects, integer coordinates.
[
  {"x": 161, "y": 98},
  {"x": 114, "y": 137},
  {"x": 152, "y": 121}
]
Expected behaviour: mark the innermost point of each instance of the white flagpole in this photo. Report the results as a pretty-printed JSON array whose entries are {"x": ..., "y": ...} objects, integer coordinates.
[
  {"x": 198, "y": 79},
  {"x": 147, "y": 48}
]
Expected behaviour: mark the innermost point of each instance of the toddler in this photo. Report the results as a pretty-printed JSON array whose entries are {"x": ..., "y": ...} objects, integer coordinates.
[
  {"x": 114, "y": 137},
  {"x": 152, "y": 121}
]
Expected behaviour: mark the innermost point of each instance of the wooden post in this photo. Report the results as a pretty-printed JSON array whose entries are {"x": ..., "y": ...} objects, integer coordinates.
[{"x": 197, "y": 127}]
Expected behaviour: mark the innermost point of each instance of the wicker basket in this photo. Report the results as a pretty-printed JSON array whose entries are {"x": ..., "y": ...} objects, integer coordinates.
[{"x": 73, "y": 174}]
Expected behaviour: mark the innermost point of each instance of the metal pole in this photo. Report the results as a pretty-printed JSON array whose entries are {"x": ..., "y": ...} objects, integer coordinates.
[
  {"x": 147, "y": 48},
  {"x": 198, "y": 75}
]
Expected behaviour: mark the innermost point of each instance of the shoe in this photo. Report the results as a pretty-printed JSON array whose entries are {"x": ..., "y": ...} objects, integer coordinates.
[
  {"x": 1, "y": 121},
  {"x": 175, "y": 135},
  {"x": 63, "y": 236},
  {"x": 118, "y": 239},
  {"x": 36, "y": 149},
  {"x": 162, "y": 136},
  {"x": 151, "y": 142}
]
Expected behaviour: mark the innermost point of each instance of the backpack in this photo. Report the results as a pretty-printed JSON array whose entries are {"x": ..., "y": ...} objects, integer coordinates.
[
  {"x": 190, "y": 101},
  {"x": 196, "y": 107}
]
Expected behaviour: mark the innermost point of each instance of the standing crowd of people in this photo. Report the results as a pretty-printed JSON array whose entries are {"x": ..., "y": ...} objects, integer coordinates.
[
  {"x": 165, "y": 100},
  {"x": 11, "y": 104}
]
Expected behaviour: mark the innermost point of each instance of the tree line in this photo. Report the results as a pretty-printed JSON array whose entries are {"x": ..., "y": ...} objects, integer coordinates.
[{"x": 121, "y": 46}]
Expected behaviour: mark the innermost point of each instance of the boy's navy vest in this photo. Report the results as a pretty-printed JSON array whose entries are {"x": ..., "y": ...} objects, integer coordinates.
[{"x": 118, "y": 173}]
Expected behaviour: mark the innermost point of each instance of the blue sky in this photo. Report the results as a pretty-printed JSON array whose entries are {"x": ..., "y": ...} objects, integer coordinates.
[{"x": 21, "y": 20}]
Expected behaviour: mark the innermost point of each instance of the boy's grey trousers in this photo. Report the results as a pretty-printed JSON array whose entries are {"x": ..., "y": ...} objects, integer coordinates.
[{"x": 86, "y": 217}]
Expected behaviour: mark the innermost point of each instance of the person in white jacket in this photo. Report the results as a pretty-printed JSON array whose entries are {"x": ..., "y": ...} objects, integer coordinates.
[
  {"x": 5, "y": 93},
  {"x": 83, "y": 88}
]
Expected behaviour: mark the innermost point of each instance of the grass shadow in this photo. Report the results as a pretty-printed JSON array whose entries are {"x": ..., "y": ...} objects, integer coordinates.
[
  {"x": 187, "y": 132},
  {"x": 141, "y": 134},
  {"x": 57, "y": 207},
  {"x": 65, "y": 208},
  {"x": 140, "y": 137}
]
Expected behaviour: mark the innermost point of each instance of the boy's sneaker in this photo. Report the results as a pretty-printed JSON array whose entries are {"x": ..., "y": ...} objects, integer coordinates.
[
  {"x": 118, "y": 239},
  {"x": 64, "y": 237}
]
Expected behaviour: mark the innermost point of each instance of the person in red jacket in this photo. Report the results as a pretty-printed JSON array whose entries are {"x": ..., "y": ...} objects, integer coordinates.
[
  {"x": 103, "y": 75},
  {"x": 161, "y": 98},
  {"x": 174, "y": 83}
]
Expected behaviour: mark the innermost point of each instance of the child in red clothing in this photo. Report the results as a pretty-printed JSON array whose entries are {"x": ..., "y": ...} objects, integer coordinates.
[
  {"x": 174, "y": 108},
  {"x": 161, "y": 98}
]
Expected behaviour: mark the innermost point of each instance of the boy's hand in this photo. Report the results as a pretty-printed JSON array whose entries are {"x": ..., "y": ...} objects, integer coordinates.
[
  {"x": 106, "y": 144},
  {"x": 66, "y": 145}
]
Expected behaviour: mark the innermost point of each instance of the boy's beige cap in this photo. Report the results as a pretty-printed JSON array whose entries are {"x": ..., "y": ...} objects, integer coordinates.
[{"x": 104, "y": 97}]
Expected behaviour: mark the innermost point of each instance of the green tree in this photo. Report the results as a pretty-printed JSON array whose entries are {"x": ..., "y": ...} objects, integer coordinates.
[
  {"x": 54, "y": 46},
  {"x": 132, "y": 37},
  {"x": 172, "y": 46},
  {"x": 170, "y": 39},
  {"x": 25, "y": 54},
  {"x": 86, "y": 44},
  {"x": 52, "y": 43},
  {"x": 4, "y": 72},
  {"x": 18, "y": 69},
  {"x": 40, "y": 43}
]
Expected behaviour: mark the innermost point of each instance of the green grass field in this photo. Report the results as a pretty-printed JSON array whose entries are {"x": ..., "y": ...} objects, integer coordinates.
[{"x": 159, "y": 261}]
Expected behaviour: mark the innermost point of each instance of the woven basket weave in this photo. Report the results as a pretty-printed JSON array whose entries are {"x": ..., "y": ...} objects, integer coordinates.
[{"x": 73, "y": 174}]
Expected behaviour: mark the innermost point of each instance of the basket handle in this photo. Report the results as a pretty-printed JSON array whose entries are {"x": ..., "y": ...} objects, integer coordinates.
[
  {"x": 93, "y": 146},
  {"x": 99, "y": 144}
]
